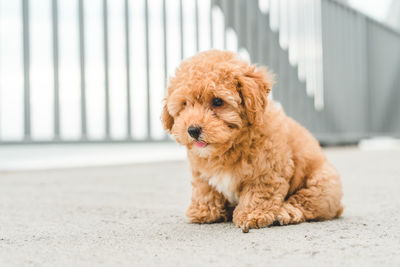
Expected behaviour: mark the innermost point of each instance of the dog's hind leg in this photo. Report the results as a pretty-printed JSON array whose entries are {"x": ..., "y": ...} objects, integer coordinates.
[{"x": 318, "y": 200}]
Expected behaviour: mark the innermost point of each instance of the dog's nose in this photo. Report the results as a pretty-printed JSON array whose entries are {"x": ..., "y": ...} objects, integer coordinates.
[{"x": 194, "y": 131}]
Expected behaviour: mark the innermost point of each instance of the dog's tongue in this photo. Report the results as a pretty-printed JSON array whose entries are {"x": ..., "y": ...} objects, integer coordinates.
[{"x": 200, "y": 144}]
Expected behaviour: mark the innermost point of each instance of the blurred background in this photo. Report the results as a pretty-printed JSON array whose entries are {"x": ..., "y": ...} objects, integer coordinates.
[{"x": 95, "y": 71}]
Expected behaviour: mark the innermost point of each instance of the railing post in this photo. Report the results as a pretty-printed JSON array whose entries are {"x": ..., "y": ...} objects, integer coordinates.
[
  {"x": 56, "y": 81},
  {"x": 196, "y": 12},
  {"x": 128, "y": 69},
  {"x": 181, "y": 27},
  {"x": 146, "y": 15},
  {"x": 106, "y": 72},
  {"x": 82, "y": 68},
  {"x": 26, "y": 52},
  {"x": 165, "y": 51},
  {"x": 211, "y": 24}
]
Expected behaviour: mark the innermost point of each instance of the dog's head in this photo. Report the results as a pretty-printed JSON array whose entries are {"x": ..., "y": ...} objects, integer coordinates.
[{"x": 213, "y": 97}]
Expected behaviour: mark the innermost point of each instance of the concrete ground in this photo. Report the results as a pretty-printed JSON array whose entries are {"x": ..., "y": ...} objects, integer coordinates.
[{"x": 134, "y": 215}]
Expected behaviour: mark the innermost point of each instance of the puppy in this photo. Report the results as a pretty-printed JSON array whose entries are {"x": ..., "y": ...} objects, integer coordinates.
[{"x": 245, "y": 154}]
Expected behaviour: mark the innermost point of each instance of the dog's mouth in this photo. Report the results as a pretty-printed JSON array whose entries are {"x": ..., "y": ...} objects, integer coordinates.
[{"x": 201, "y": 144}]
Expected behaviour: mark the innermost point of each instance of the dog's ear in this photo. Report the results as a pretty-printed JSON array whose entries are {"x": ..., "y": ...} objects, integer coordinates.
[
  {"x": 167, "y": 119},
  {"x": 254, "y": 86}
]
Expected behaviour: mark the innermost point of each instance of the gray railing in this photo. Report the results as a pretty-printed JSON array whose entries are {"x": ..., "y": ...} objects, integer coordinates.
[
  {"x": 107, "y": 119},
  {"x": 361, "y": 71},
  {"x": 360, "y": 84},
  {"x": 26, "y": 44}
]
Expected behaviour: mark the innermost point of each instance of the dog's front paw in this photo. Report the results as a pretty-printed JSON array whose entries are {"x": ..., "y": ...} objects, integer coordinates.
[
  {"x": 206, "y": 214},
  {"x": 249, "y": 219}
]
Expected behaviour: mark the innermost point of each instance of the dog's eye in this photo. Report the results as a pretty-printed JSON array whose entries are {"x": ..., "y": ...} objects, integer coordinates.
[
  {"x": 184, "y": 103},
  {"x": 217, "y": 102}
]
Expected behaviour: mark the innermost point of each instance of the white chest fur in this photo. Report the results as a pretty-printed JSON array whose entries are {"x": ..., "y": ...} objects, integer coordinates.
[{"x": 224, "y": 184}]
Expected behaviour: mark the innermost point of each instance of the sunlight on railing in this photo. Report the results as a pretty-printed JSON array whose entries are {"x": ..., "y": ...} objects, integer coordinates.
[
  {"x": 84, "y": 82},
  {"x": 299, "y": 25}
]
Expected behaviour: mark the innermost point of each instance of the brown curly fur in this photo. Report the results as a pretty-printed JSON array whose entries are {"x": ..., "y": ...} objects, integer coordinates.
[{"x": 258, "y": 161}]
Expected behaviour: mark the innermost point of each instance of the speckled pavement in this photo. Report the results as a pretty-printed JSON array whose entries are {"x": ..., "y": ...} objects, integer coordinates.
[{"x": 134, "y": 216}]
